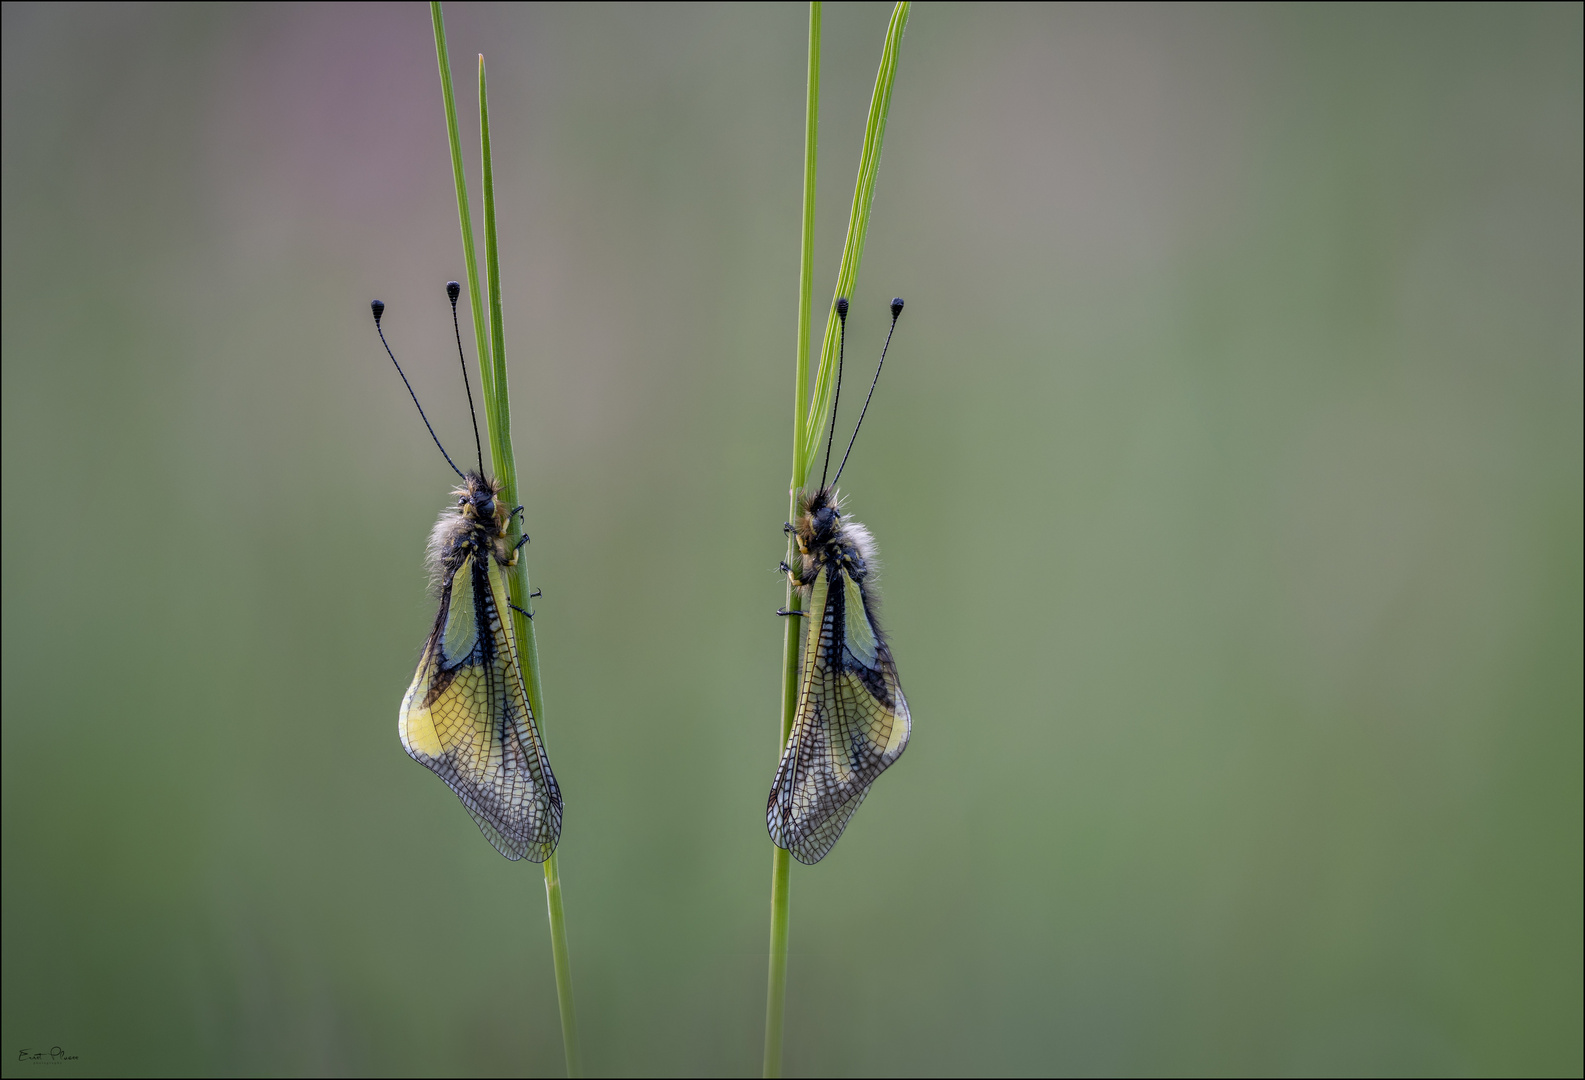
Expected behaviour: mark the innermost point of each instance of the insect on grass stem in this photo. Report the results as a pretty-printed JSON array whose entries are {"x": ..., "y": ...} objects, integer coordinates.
[
  {"x": 489, "y": 338},
  {"x": 808, "y": 418}
]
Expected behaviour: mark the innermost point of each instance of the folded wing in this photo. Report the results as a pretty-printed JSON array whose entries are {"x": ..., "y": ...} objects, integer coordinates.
[
  {"x": 466, "y": 718},
  {"x": 851, "y": 724}
]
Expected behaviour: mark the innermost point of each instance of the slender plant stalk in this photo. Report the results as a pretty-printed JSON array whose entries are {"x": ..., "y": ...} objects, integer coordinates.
[
  {"x": 781, "y": 863},
  {"x": 475, "y": 300},
  {"x": 858, "y": 228},
  {"x": 498, "y": 417},
  {"x": 505, "y": 463},
  {"x": 807, "y": 425}
]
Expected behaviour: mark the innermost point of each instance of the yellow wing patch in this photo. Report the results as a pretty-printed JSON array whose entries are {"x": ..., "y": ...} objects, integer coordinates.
[{"x": 466, "y": 718}]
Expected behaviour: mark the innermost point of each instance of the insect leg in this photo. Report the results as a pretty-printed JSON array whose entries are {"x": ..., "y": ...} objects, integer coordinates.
[
  {"x": 800, "y": 578},
  {"x": 520, "y": 611},
  {"x": 516, "y": 510},
  {"x": 784, "y": 611},
  {"x": 521, "y": 540}
]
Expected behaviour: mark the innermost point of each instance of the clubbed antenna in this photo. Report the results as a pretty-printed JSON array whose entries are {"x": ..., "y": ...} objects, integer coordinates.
[
  {"x": 897, "y": 309},
  {"x": 454, "y": 290},
  {"x": 836, "y": 396},
  {"x": 378, "y": 307}
]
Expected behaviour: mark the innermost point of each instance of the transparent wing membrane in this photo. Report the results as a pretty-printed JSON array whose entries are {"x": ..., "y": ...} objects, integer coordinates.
[
  {"x": 466, "y": 718},
  {"x": 852, "y": 722}
]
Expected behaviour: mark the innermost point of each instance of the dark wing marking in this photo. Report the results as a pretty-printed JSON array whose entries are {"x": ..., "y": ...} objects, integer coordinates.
[
  {"x": 852, "y": 722},
  {"x": 466, "y": 718}
]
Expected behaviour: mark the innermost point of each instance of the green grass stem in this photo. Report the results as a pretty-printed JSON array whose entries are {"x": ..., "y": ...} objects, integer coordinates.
[
  {"x": 491, "y": 347},
  {"x": 475, "y": 300},
  {"x": 807, "y": 426},
  {"x": 781, "y": 863},
  {"x": 853, "y": 246}
]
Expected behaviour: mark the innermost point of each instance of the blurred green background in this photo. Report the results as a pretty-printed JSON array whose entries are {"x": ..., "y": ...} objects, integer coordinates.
[{"x": 1227, "y": 473}]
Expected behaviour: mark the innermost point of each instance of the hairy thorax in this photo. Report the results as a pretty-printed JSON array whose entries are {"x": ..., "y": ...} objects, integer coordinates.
[
  {"x": 479, "y": 521},
  {"x": 826, "y": 540}
]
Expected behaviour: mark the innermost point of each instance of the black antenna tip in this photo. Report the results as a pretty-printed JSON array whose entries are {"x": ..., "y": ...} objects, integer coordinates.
[
  {"x": 378, "y": 307},
  {"x": 453, "y": 290},
  {"x": 842, "y": 307},
  {"x": 897, "y": 306}
]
